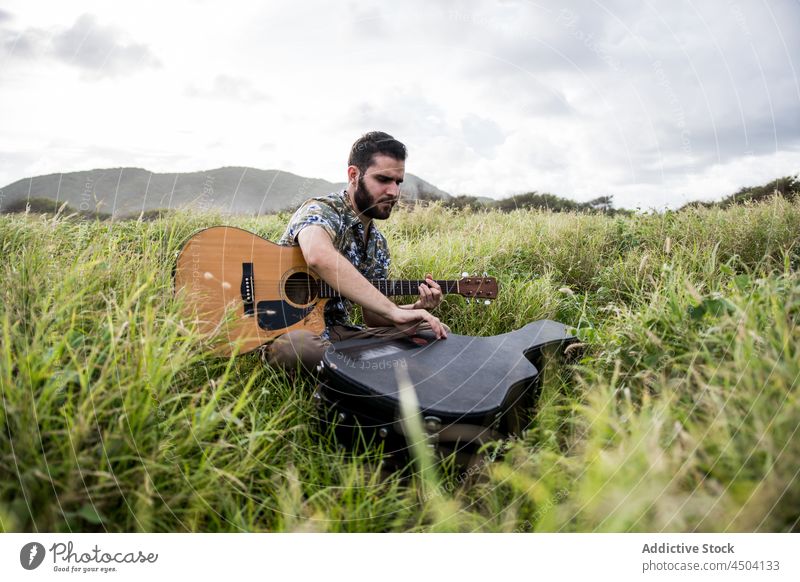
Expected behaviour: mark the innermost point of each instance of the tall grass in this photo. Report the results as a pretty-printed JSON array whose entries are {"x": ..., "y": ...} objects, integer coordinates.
[{"x": 682, "y": 415}]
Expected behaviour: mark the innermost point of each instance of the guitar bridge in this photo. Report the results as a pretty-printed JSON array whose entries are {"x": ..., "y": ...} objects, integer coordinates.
[{"x": 247, "y": 289}]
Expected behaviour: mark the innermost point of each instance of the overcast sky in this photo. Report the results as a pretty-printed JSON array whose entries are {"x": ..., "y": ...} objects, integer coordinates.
[{"x": 656, "y": 103}]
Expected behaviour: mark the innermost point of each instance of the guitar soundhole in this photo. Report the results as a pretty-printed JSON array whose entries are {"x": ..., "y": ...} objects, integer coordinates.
[{"x": 301, "y": 288}]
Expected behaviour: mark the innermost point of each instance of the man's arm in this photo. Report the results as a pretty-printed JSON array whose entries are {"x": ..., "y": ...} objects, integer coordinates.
[{"x": 339, "y": 273}]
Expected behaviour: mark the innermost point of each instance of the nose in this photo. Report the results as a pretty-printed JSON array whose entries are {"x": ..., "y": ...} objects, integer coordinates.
[{"x": 393, "y": 189}]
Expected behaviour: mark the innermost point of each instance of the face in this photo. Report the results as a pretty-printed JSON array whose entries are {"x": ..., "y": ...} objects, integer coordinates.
[{"x": 378, "y": 188}]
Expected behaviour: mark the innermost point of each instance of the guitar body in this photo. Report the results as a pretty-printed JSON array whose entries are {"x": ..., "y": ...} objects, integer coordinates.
[{"x": 245, "y": 290}]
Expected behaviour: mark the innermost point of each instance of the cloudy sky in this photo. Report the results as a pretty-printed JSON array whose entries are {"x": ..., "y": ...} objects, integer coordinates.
[{"x": 655, "y": 103}]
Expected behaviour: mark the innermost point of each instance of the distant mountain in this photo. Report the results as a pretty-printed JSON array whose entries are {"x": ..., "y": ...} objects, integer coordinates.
[{"x": 238, "y": 190}]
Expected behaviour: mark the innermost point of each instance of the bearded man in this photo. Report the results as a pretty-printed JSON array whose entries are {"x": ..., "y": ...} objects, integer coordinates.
[{"x": 342, "y": 244}]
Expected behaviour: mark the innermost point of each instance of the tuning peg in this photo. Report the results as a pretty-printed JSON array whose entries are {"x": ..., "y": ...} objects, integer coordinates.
[
  {"x": 485, "y": 274},
  {"x": 487, "y": 302},
  {"x": 469, "y": 300},
  {"x": 465, "y": 274}
]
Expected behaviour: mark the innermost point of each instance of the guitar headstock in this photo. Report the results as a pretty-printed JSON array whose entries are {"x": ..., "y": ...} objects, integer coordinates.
[{"x": 477, "y": 287}]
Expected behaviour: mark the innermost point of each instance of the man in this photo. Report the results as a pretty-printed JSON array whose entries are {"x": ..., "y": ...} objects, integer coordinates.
[{"x": 341, "y": 243}]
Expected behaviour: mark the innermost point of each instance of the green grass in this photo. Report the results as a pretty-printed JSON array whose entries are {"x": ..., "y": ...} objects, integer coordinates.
[{"x": 682, "y": 415}]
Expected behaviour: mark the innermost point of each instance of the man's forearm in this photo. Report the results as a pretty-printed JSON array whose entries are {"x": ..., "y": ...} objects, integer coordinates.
[
  {"x": 340, "y": 274},
  {"x": 373, "y": 319}
]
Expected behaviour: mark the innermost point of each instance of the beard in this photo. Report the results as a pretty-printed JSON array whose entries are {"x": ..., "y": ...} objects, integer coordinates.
[{"x": 366, "y": 206}]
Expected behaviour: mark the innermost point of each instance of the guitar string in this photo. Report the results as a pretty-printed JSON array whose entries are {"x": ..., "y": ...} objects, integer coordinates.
[
  {"x": 384, "y": 282},
  {"x": 325, "y": 291},
  {"x": 388, "y": 284}
]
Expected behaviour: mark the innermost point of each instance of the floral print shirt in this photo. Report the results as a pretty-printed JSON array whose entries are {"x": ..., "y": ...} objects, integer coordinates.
[{"x": 335, "y": 214}]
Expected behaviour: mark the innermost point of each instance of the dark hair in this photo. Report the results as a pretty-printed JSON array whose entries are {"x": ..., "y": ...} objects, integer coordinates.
[{"x": 375, "y": 142}]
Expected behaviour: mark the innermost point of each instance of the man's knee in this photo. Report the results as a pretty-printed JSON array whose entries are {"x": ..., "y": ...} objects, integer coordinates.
[{"x": 299, "y": 346}]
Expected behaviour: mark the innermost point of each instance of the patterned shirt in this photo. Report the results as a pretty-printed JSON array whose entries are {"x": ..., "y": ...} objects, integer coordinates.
[{"x": 335, "y": 214}]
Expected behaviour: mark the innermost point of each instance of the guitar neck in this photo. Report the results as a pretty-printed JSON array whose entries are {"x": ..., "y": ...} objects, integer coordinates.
[{"x": 394, "y": 287}]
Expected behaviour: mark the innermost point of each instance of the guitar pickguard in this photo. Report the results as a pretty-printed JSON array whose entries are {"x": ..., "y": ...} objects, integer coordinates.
[{"x": 276, "y": 315}]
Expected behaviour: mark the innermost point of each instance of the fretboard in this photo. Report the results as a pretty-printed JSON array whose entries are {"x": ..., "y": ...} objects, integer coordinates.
[{"x": 393, "y": 287}]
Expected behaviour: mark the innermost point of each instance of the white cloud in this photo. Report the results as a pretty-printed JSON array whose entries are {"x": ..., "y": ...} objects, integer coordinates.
[
  {"x": 88, "y": 44},
  {"x": 96, "y": 48}
]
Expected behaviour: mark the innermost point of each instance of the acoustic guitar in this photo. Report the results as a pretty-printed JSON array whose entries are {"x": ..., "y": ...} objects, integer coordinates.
[{"x": 244, "y": 290}]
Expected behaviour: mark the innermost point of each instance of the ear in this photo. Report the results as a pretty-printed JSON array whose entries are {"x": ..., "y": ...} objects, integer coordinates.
[{"x": 352, "y": 174}]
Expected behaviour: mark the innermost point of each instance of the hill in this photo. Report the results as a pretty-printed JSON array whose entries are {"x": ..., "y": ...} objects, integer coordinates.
[
  {"x": 130, "y": 191},
  {"x": 787, "y": 187}
]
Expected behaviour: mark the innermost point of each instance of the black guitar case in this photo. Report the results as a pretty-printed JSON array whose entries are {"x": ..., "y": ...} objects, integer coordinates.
[{"x": 470, "y": 390}]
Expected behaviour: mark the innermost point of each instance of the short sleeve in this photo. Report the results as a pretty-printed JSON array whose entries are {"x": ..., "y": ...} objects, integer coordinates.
[
  {"x": 313, "y": 213},
  {"x": 383, "y": 259}
]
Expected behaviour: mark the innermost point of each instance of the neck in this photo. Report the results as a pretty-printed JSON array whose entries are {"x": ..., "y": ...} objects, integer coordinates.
[
  {"x": 393, "y": 287},
  {"x": 351, "y": 196}
]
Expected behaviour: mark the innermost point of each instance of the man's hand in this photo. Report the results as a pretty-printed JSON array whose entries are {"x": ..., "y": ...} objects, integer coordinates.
[
  {"x": 430, "y": 294},
  {"x": 410, "y": 320}
]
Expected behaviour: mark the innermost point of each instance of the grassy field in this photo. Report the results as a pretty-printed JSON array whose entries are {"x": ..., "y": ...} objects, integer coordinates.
[{"x": 683, "y": 414}]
